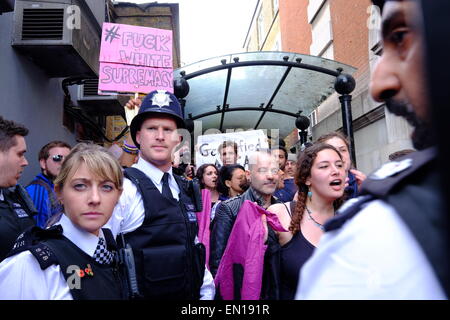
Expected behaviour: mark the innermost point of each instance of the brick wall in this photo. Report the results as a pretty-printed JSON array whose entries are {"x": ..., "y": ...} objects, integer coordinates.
[
  {"x": 295, "y": 29},
  {"x": 350, "y": 34}
]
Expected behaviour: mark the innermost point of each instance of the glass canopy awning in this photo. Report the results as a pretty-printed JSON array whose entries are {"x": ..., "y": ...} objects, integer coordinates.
[{"x": 257, "y": 90}]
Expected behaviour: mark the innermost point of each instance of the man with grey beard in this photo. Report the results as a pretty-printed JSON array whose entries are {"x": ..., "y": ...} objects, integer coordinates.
[
  {"x": 390, "y": 243},
  {"x": 263, "y": 178}
]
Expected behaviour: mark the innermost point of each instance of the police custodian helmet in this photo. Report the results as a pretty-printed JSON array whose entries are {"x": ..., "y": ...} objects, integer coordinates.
[{"x": 159, "y": 102}]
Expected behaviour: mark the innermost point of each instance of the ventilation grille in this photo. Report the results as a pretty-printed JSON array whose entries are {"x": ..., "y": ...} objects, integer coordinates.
[
  {"x": 90, "y": 87},
  {"x": 43, "y": 24}
]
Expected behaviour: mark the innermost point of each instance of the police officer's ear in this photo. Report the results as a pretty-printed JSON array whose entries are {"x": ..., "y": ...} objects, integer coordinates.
[{"x": 138, "y": 137}]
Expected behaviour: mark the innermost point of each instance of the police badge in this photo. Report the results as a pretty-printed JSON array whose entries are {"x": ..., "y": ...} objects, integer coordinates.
[{"x": 161, "y": 99}]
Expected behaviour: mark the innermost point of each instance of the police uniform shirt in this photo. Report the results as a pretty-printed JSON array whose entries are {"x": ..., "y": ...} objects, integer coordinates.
[
  {"x": 374, "y": 256},
  {"x": 129, "y": 213},
  {"x": 21, "y": 277}
]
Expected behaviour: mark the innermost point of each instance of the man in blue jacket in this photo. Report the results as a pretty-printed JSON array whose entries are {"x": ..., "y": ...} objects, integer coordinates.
[{"x": 41, "y": 188}]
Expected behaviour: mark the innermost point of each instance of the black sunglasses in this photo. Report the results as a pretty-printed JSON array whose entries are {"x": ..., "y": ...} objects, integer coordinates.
[{"x": 57, "y": 158}]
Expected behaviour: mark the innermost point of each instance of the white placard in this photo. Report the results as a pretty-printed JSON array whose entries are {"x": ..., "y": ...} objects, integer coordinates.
[{"x": 247, "y": 141}]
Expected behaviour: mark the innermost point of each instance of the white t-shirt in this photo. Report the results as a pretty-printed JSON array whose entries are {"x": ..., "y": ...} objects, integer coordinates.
[{"x": 373, "y": 256}]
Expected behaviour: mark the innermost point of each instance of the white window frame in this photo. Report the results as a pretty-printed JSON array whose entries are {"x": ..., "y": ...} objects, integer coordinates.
[
  {"x": 275, "y": 6},
  {"x": 260, "y": 27}
]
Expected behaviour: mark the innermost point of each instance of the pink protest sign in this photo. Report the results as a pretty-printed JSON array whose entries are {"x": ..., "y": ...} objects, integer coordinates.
[
  {"x": 142, "y": 46},
  {"x": 116, "y": 77}
]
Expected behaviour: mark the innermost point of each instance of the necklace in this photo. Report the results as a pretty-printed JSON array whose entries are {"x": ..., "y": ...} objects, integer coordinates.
[{"x": 312, "y": 219}]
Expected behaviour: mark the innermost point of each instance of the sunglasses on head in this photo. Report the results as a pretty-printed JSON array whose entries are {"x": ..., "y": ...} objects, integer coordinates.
[{"x": 57, "y": 158}]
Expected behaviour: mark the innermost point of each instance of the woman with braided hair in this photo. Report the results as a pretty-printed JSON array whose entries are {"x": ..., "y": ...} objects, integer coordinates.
[{"x": 320, "y": 178}]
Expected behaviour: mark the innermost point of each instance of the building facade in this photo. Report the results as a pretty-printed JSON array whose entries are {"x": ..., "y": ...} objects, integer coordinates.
[
  {"x": 48, "y": 48},
  {"x": 29, "y": 95},
  {"x": 345, "y": 31}
]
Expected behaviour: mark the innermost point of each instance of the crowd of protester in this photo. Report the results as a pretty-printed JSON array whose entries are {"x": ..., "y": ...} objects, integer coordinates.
[{"x": 146, "y": 225}]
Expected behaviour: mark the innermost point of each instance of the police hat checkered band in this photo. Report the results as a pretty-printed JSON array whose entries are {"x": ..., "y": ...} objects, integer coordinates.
[
  {"x": 101, "y": 254},
  {"x": 159, "y": 102}
]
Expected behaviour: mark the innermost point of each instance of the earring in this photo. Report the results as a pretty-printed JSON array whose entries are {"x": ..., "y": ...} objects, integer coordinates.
[{"x": 309, "y": 192}]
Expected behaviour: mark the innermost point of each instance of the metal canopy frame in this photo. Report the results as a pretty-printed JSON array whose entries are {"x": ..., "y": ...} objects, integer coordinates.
[
  {"x": 341, "y": 85},
  {"x": 268, "y": 106}
]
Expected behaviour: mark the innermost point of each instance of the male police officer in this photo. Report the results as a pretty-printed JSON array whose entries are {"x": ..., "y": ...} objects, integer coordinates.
[
  {"x": 390, "y": 243},
  {"x": 16, "y": 208},
  {"x": 156, "y": 210}
]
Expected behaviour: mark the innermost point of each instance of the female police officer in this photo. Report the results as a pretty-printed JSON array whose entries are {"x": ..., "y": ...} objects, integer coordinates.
[{"x": 73, "y": 259}]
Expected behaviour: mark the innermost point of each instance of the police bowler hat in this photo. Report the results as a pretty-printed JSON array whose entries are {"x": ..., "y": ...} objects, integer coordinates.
[{"x": 159, "y": 102}]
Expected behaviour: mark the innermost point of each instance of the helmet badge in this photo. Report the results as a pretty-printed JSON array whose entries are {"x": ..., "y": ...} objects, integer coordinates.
[{"x": 161, "y": 99}]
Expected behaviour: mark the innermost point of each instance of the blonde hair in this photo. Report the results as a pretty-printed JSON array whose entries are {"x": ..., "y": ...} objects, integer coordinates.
[{"x": 98, "y": 160}]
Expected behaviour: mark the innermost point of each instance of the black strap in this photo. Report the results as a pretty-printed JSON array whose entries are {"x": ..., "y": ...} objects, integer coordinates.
[
  {"x": 109, "y": 238},
  {"x": 291, "y": 207}
]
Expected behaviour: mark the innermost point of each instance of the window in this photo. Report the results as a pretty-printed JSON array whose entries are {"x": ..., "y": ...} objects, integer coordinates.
[
  {"x": 260, "y": 28},
  {"x": 314, "y": 8},
  {"x": 275, "y": 7},
  {"x": 313, "y": 121},
  {"x": 374, "y": 26},
  {"x": 322, "y": 35},
  {"x": 277, "y": 45}
]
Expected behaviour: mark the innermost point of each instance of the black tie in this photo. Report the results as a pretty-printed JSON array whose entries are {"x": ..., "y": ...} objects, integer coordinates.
[{"x": 165, "y": 186}]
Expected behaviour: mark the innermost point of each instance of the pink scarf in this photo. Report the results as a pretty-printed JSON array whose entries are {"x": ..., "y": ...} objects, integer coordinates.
[
  {"x": 204, "y": 218},
  {"x": 245, "y": 247}
]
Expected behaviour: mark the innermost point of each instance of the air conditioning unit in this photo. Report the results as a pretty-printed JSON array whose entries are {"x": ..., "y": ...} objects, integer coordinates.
[
  {"x": 6, "y": 6},
  {"x": 93, "y": 103},
  {"x": 49, "y": 33}
]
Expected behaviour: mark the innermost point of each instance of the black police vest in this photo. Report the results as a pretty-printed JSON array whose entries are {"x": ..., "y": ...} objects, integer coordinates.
[
  {"x": 15, "y": 217},
  {"x": 411, "y": 185},
  {"x": 168, "y": 264},
  {"x": 86, "y": 278}
]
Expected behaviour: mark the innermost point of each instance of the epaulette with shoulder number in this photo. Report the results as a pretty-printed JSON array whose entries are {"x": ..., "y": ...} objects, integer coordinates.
[
  {"x": 380, "y": 183},
  {"x": 392, "y": 174},
  {"x": 31, "y": 240}
]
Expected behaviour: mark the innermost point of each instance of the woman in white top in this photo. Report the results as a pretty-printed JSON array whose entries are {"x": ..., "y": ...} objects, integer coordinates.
[{"x": 74, "y": 259}]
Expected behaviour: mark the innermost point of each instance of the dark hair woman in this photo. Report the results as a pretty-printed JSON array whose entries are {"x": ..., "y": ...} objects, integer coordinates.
[
  {"x": 232, "y": 181},
  {"x": 207, "y": 174},
  {"x": 341, "y": 143},
  {"x": 320, "y": 178}
]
